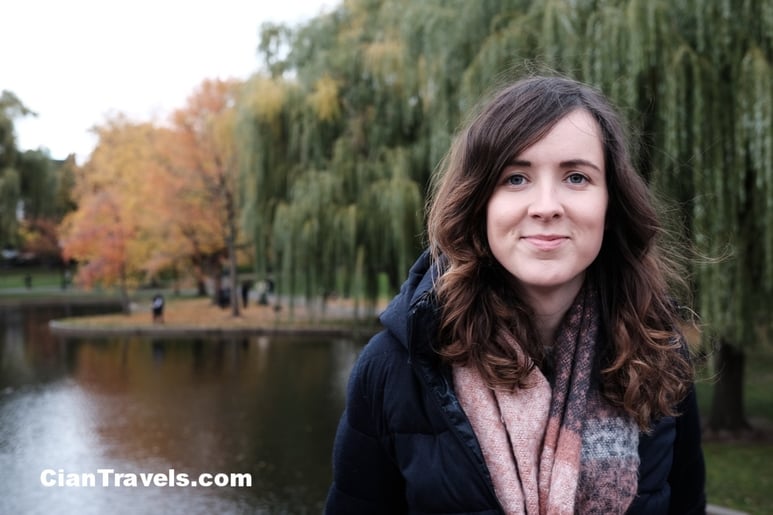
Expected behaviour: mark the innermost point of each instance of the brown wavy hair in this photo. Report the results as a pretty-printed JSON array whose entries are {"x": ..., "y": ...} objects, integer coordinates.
[{"x": 644, "y": 367}]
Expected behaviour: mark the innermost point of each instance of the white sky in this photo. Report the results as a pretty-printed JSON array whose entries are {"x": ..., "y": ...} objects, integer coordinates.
[{"x": 75, "y": 61}]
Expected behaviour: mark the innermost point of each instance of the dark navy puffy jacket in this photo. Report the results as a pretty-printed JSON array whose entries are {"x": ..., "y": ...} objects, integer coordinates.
[{"x": 404, "y": 445}]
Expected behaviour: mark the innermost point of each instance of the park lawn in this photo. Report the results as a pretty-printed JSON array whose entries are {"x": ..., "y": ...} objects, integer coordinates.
[
  {"x": 739, "y": 474},
  {"x": 39, "y": 277}
]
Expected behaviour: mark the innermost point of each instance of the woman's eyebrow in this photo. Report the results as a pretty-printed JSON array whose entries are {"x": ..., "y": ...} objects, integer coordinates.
[
  {"x": 569, "y": 163},
  {"x": 578, "y": 162},
  {"x": 519, "y": 162}
]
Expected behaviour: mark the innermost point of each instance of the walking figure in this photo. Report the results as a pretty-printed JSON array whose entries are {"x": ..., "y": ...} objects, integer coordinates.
[{"x": 158, "y": 308}]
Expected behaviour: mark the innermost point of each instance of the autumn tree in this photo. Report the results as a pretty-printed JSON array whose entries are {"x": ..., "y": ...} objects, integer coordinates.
[
  {"x": 40, "y": 238},
  {"x": 206, "y": 164},
  {"x": 192, "y": 242},
  {"x": 114, "y": 233}
]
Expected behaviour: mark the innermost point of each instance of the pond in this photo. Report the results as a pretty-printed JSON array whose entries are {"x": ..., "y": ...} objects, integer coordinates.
[{"x": 85, "y": 423}]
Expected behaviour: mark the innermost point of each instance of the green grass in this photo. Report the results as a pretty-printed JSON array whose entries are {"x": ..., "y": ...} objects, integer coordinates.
[
  {"x": 40, "y": 277},
  {"x": 739, "y": 475}
]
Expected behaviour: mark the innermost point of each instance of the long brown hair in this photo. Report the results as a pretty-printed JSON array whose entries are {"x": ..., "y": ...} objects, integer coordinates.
[{"x": 644, "y": 368}]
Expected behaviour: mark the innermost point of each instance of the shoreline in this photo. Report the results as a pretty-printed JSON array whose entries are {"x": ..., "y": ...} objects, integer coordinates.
[
  {"x": 68, "y": 329},
  {"x": 198, "y": 317},
  {"x": 58, "y": 300}
]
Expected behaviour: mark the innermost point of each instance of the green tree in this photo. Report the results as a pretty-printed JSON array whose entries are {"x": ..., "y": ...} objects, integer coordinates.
[
  {"x": 344, "y": 126},
  {"x": 372, "y": 92},
  {"x": 716, "y": 109},
  {"x": 38, "y": 184},
  {"x": 40, "y": 191},
  {"x": 10, "y": 181},
  {"x": 35, "y": 191}
]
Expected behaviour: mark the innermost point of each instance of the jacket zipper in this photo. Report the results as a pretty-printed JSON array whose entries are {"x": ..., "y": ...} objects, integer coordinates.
[{"x": 426, "y": 374}]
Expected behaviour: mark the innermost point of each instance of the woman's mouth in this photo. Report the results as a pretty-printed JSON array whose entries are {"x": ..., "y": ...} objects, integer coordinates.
[{"x": 545, "y": 242}]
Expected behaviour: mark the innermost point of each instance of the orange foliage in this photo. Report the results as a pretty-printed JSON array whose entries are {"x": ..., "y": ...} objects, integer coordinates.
[
  {"x": 116, "y": 227},
  {"x": 203, "y": 163},
  {"x": 153, "y": 197},
  {"x": 41, "y": 238}
]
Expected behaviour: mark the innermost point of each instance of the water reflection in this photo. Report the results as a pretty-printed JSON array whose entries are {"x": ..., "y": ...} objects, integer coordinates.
[{"x": 264, "y": 406}]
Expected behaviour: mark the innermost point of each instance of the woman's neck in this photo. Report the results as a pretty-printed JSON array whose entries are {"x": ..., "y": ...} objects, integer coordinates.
[{"x": 549, "y": 308}]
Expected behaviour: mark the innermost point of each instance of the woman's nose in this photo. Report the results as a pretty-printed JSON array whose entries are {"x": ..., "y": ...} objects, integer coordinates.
[{"x": 546, "y": 203}]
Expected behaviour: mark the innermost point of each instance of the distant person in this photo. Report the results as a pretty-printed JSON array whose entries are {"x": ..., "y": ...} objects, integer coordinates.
[
  {"x": 532, "y": 362},
  {"x": 264, "y": 289},
  {"x": 28, "y": 281},
  {"x": 66, "y": 278},
  {"x": 246, "y": 287},
  {"x": 224, "y": 297},
  {"x": 158, "y": 308}
]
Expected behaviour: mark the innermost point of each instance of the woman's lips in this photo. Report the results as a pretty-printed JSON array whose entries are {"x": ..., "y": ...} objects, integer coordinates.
[{"x": 546, "y": 242}]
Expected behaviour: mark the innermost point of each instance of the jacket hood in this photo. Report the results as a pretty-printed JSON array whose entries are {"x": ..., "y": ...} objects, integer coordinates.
[{"x": 416, "y": 289}]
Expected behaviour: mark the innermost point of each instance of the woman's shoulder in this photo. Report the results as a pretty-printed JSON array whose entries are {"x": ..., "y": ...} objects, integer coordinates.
[
  {"x": 382, "y": 353},
  {"x": 382, "y": 387}
]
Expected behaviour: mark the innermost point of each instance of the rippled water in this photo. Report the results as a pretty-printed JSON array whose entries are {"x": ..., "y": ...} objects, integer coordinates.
[{"x": 263, "y": 406}]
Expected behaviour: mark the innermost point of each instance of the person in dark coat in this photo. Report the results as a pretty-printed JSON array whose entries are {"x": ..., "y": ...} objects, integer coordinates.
[
  {"x": 158, "y": 308},
  {"x": 532, "y": 362}
]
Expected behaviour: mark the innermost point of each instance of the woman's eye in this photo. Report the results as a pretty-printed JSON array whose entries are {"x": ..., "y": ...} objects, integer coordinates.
[
  {"x": 576, "y": 178},
  {"x": 516, "y": 180}
]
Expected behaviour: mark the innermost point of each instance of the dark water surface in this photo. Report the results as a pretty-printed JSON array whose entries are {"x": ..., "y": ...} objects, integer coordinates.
[{"x": 264, "y": 406}]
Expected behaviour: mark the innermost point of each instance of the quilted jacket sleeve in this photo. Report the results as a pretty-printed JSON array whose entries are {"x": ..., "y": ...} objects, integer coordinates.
[{"x": 365, "y": 478}]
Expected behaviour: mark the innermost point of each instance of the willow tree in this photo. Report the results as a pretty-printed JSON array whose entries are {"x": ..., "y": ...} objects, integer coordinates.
[
  {"x": 694, "y": 78},
  {"x": 717, "y": 108},
  {"x": 334, "y": 146},
  {"x": 697, "y": 80},
  {"x": 269, "y": 158}
]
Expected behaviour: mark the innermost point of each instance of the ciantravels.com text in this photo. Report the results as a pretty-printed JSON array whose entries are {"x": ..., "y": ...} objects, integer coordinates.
[{"x": 107, "y": 477}]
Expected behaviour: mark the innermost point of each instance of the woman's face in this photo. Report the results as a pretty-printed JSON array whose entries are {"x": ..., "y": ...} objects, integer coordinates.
[{"x": 545, "y": 219}]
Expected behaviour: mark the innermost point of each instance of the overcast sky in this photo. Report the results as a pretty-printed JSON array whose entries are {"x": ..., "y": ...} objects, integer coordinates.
[{"x": 74, "y": 61}]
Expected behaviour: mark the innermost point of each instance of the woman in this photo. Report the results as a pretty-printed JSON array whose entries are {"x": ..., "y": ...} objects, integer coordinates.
[{"x": 531, "y": 362}]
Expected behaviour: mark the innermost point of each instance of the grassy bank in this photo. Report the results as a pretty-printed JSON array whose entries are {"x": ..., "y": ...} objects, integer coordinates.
[
  {"x": 197, "y": 313},
  {"x": 740, "y": 476},
  {"x": 740, "y": 473},
  {"x": 29, "y": 278}
]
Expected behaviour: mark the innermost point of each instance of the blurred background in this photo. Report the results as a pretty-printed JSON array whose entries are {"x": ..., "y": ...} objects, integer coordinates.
[{"x": 205, "y": 148}]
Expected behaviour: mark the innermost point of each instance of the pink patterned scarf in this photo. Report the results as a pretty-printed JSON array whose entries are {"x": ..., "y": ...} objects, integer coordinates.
[{"x": 560, "y": 449}]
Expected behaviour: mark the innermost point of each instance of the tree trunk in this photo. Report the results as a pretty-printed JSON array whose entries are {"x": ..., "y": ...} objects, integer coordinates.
[
  {"x": 124, "y": 292},
  {"x": 217, "y": 282},
  {"x": 232, "y": 273},
  {"x": 727, "y": 406}
]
